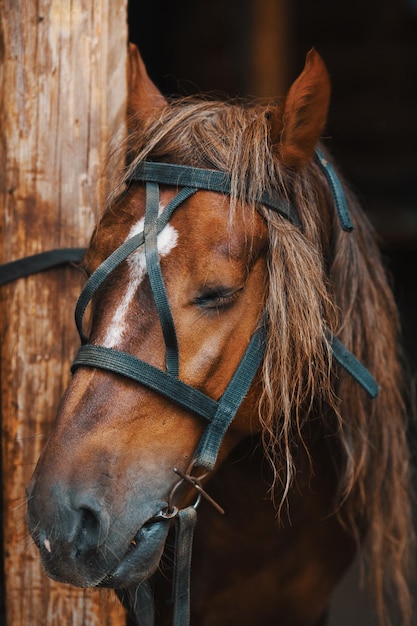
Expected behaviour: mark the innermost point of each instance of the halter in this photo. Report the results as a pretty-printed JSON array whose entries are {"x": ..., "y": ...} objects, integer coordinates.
[{"x": 217, "y": 414}]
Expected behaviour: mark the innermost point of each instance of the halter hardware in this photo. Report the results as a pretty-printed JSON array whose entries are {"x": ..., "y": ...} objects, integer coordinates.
[{"x": 171, "y": 511}]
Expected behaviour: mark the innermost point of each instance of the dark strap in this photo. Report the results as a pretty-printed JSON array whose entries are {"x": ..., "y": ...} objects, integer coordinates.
[
  {"x": 179, "y": 392},
  {"x": 156, "y": 280},
  {"x": 209, "y": 180},
  {"x": 185, "y": 524},
  {"x": 99, "y": 276},
  {"x": 119, "y": 255},
  {"x": 218, "y": 414},
  {"x": 354, "y": 367},
  {"x": 232, "y": 398},
  {"x": 164, "y": 383},
  {"x": 337, "y": 191},
  {"x": 39, "y": 263}
]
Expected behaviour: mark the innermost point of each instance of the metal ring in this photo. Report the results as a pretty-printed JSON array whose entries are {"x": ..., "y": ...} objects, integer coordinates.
[
  {"x": 197, "y": 501},
  {"x": 194, "y": 481},
  {"x": 167, "y": 513}
]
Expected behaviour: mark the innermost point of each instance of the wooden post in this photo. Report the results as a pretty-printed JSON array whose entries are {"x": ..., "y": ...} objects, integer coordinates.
[{"x": 62, "y": 97}]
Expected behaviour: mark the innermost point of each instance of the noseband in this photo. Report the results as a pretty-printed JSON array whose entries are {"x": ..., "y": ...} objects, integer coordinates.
[{"x": 217, "y": 414}]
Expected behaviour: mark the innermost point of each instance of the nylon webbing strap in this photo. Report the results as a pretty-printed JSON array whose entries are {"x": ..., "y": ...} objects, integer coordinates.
[
  {"x": 185, "y": 525},
  {"x": 164, "y": 383},
  {"x": 156, "y": 280},
  {"x": 218, "y": 414},
  {"x": 39, "y": 263},
  {"x": 100, "y": 275},
  {"x": 209, "y": 180},
  {"x": 337, "y": 191},
  {"x": 179, "y": 392},
  {"x": 229, "y": 403},
  {"x": 354, "y": 367},
  {"x": 120, "y": 254}
]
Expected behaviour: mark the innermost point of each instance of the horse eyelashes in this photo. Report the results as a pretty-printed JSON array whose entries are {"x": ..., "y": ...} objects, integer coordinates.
[{"x": 219, "y": 300}]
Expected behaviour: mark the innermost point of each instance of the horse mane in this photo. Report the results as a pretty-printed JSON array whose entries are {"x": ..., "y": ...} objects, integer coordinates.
[{"x": 320, "y": 278}]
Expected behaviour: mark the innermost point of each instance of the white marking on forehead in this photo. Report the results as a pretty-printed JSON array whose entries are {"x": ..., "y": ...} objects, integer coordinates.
[{"x": 166, "y": 241}]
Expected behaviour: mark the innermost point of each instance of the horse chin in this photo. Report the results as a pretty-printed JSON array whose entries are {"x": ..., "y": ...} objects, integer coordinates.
[{"x": 139, "y": 561}]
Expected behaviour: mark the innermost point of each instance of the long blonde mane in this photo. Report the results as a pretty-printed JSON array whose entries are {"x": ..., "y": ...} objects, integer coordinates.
[{"x": 319, "y": 277}]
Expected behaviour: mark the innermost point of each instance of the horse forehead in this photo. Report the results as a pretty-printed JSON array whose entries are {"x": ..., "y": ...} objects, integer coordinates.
[
  {"x": 202, "y": 222},
  {"x": 206, "y": 223}
]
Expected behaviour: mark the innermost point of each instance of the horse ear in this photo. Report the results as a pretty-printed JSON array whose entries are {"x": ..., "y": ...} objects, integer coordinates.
[
  {"x": 143, "y": 95},
  {"x": 296, "y": 126}
]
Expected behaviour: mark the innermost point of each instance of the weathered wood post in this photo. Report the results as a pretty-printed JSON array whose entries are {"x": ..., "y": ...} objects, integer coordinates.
[{"x": 62, "y": 97}]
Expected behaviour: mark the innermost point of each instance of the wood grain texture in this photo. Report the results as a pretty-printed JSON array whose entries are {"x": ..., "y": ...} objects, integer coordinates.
[{"x": 62, "y": 97}]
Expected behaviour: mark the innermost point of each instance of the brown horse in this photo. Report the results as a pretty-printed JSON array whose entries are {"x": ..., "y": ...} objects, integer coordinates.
[{"x": 182, "y": 278}]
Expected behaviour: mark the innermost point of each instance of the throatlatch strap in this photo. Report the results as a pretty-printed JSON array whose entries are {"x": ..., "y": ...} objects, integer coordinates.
[
  {"x": 337, "y": 191},
  {"x": 39, "y": 263},
  {"x": 354, "y": 367}
]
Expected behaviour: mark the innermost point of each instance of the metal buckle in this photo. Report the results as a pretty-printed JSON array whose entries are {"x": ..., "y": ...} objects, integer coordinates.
[{"x": 171, "y": 510}]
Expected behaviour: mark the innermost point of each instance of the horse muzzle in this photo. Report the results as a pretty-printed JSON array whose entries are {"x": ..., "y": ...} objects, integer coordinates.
[{"x": 82, "y": 545}]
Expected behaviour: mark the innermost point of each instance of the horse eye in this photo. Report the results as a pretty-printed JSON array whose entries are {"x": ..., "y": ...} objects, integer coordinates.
[{"x": 218, "y": 299}]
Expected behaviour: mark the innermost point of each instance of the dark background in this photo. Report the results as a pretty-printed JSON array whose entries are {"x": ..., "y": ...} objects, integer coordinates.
[{"x": 370, "y": 48}]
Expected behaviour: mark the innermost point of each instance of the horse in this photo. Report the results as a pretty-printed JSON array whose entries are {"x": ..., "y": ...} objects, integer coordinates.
[{"x": 232, "y": 272}]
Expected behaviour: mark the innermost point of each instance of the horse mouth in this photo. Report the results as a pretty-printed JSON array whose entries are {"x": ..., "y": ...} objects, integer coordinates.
[
  {"x": 139, "y": 561},
  {"x": 142, "y": 557}
]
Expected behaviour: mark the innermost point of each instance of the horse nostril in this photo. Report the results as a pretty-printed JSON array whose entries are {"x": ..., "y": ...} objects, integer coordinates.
[
  {"x": 89, "y": 521},
  {"x": 88, "y": 536},
  {"x": 91, "y": 525},
  {"x": 68, "y": 523}
]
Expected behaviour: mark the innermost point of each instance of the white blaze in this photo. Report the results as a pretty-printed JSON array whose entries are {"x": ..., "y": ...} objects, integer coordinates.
[{"x": 167, "y": 240}]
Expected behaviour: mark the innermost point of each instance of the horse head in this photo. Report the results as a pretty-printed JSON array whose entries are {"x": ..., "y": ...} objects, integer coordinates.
[{"x": 217, "y": 259}]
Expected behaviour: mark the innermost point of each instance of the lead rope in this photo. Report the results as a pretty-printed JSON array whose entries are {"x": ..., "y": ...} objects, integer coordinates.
[
  {"x": 40, "y": 262},
  {"x": 138, "y": 601},
  {"x": 184, "y": 528}
]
